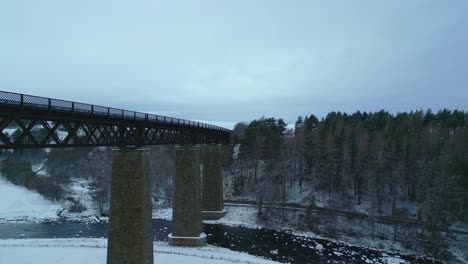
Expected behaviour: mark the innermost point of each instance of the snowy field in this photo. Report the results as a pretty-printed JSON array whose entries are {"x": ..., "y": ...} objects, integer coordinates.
[
  {"x": 93, "y": 251},
  {"x": 18, "y": 204}
]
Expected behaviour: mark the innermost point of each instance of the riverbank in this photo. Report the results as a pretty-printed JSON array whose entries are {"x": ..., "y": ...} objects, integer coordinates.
[
  {"x": 42, "y": 211},
  {"x": 246, "y": 216},
  {"x": 93, "y": 251},
  {"x": 265, "y": 243}
]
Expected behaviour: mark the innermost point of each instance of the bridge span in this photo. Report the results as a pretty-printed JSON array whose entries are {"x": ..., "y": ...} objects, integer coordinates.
[{"x": 72, "y": 124}]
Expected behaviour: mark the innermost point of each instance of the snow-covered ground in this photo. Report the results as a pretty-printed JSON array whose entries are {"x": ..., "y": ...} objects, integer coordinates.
[
  {"x": 20, "y": 204},
  {"x": 93, "y": 251},
  {"x": 236, "y": 216}
]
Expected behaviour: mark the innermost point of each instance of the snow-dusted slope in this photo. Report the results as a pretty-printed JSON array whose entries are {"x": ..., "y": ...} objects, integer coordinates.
[{"x": 17, "y": 203}]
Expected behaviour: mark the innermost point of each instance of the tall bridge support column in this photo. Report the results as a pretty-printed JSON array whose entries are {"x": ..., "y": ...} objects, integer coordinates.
[
  {"x": 187, "y": 229},
  {"x": 130, "y": 227},
  {"x": 212, "y": 183}
]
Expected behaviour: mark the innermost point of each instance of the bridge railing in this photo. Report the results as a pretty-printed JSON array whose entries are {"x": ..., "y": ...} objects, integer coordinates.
[{"x": 11, "y": 99}]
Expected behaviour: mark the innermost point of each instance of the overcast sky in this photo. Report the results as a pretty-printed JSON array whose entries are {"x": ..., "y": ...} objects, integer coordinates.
[{"x": 239, "y": 60}]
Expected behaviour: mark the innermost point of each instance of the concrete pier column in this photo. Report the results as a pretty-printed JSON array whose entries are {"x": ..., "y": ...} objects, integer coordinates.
[
  {"x": 212, "y": 183},
  {"x": 130, "y": 227},
  {"x": 187, "y": 229}
]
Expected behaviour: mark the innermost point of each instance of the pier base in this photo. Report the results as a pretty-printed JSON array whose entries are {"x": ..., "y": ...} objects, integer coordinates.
[{"x": 187, "y": 229}]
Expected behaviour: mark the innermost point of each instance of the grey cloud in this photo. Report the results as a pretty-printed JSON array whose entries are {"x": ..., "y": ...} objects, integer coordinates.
[{"x": 232, "y": 61}]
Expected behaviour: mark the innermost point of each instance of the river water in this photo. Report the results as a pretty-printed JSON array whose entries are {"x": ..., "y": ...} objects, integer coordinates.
[{"x": 275, "y": 245}]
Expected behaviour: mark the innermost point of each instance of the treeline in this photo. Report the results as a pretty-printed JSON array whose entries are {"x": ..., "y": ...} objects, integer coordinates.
[
  {"x": 410, "y": 164},
  {"x": 386, "y": 158}
]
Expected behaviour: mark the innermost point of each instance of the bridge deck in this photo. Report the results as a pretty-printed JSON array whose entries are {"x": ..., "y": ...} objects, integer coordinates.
[{"x": 28, "y": 121}]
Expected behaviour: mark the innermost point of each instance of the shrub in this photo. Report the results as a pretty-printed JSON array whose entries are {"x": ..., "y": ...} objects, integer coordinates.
[{"x": 77, "y": 207}]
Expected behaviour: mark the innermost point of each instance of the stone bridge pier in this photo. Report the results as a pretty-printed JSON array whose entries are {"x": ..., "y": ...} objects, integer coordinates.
[
  {"x": 187, "y": 229},
  {"x": 212, "y": 183},
  {"x": 196, "y": 197},
  {"x": 130, "y": 227}
]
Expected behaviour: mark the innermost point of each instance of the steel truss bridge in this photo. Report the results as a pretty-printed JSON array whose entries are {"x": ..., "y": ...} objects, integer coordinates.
[{"x": 28, "y": 121}]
